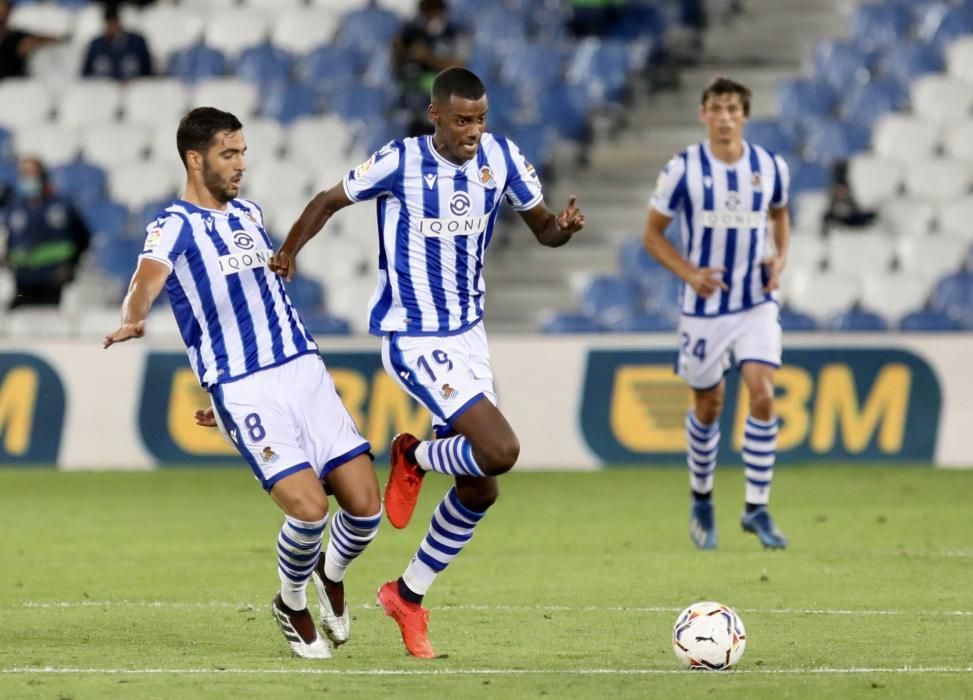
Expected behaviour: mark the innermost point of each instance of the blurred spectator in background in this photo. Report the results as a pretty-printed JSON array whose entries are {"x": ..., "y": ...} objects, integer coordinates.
[
  {"x": 594, "y": 17},
  {"x": 843, "y": 210},
  {"x": 16, "y": 46},
  {"x": 45, "y": 237},
  {"x": 117, "y": 53},
  {"x": 422, "y": 48}
]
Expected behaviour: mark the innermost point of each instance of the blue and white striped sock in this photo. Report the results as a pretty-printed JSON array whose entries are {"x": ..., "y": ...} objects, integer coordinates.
[
  {"x": 703, "y": 443},
  {"x": 451, "y": 528},
  {"x": 453, "y": 456},
  {"x": 298, "y": 549},
  {"x": 349, "y": 537},
  {"x": 759, "y": 455}
]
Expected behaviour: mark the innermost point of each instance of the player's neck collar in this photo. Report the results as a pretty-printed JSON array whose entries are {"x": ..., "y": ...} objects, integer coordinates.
[
  {"x": 441, "y": 158},
  {"x": 194, "y": 205},
  {"x": 729, "y": 164}
]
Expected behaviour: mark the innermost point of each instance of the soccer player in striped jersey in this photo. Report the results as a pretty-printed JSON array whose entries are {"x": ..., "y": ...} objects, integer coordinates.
[
  {"x": 272, "y": 396},
  {"x": 726, "y": 193},
  {"x": 438, "y": 198}
]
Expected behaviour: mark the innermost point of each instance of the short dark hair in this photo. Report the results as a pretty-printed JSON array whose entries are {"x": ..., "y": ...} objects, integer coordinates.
[
  {"x": 433, "y": 6},
  {"x": 457, "y": 81},
  {"x": 197, "y": 129},
  {"x": 725, "y": 86}
]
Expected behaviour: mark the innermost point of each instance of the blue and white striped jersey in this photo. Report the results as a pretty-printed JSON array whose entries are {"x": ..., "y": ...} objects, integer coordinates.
[
  {"x": 232, "y": 311},
  {"x": 435, "y": 221},
  {"x": 723, "y": 220}
]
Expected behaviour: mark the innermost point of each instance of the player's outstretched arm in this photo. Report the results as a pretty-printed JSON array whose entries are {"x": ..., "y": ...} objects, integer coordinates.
[
  {"x": 146, "y": 285},
  {"x": 315, "y": 215},
  {"x": 554, "y": 230},
  {"x": 704, "y": 280}
]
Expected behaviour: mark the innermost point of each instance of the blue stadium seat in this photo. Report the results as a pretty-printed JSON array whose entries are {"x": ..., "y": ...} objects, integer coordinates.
[
  {"x": 306, "y": 294},
  {"x": 953, "y": 296},
  {"x": 635, "y": 264},
  {"x": 802, "y": 98},
  {"x": 265, "y": 65},
  {"x": 6, "y": 145},
  {"x": 535, "y": 141},
  {"x": 874, "y": 99},
  {"x": 929, "y": 320},
  {"x": 907, "y": 61},
  {"x": 287, "y": 102},
  {"x": 830, "y": 140},
  {"x": 880, "y": 25},
  {"x": 841, "y": 63},
  {"x": 361, "y": 104},
  {"x": 807, "y": 177},
  {"x": 771, "y": 135},
  {"x": 640, "y": 21},
  {"x": 484, "y": 61},
  {"x": 570, "y": 323},
  {"x": 566, "y": 110},
  {"x": 943, "y": 23},
  {"x": 117, "y": 257},
  {"x": 532, "y": 67},
  {"x": 498, "y": 26},
  {"x": 858, "y": 319},
  {"x": 369, "y": 26},
  {"x": 105, "y": 218},
  {"x": 80, "y": 181},
  {"x": 322, "y": 323},
  {"x": 330, "y": 63},
  {"x": 643, "y": 323},
  {"x": 608, "y": 298},
  {"x": 196, "y": 63},
  {"x": 791, "y": 320},
  {"x": 8, "y": 173},
  {"x": 149, "y": 212}
]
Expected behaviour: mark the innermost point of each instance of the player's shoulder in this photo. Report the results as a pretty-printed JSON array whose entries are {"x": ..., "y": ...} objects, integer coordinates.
[
  {"x": 677, "y": 164},
  {"x": 764, "y": 153},
  {"x": 250, "y": 208},
  {"x": 173, "y": 217}
]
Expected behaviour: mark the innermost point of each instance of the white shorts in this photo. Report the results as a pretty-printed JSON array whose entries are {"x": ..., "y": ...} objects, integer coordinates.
[
  {"x": 446, "y": 374},
  {"x": 706, "y": 343},
  {"x": 287, "y": 418}
]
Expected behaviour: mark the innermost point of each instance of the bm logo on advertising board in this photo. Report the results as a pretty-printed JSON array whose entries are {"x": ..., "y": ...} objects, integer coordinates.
[
  {"x": 172, "y": 393},
  {"x": 835, "y": 404},
  {"x": 31, "y": 410}
]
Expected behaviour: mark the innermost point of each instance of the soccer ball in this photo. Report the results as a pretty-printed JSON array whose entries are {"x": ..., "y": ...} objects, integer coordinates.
[{"x": 709, "y": 637}]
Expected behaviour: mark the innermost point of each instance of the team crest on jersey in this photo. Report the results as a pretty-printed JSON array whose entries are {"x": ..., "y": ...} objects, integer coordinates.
[
  {"x": 755, "y": 180},
  {"x": 531, "y": 171},
  {"x": 448, "y": 392},
  {"x": 153, "y": 239},
  {"x": 486, "y": 177},
  {"x": 249, "y": 215},
  {"x": 269, "y": 456}
]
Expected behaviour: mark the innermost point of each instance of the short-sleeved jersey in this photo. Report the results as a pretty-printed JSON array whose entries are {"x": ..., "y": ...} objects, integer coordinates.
[
  {"x": 723, "y": 220},
  {"x": 435, "y": 221},
  {"x": 233, "y": 312}
]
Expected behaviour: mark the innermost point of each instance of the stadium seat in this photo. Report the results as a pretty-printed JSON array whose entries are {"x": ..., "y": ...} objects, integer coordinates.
[
  {"x": 47, "y": 19},
  {"x": 807, "y": 252},
  {"x": 169, "y": 29},
  {"x": 929, "y": 321},
  {"x": 769, "y": 134},
  {"x": 314, "y": 140},
  {"x": 133, "y": 185},
  {"x": 566, "y": 110},
  {"x": 642, "y": 323},
  {"x": 373, "y": 25},
  {"x": 959, "y": 56},
  {"x": 600, "y": 68},
  {"x": 229, "y": 94},
  {"x": 325, "y": 324},
  {"x": 822, "y": 295},
  {"x": 801, "y": 99},
  {"x": 857, "y": 320},
  {"x": 810, "y": 210},
  {"x": 330, "y": 68},
  {"x": 117, "y": 257},
  {"x": 265, "y": 65},
  {"x": 932, "y": 256},
  {"x": 908, "y": 217},
  {"x": 286, "y": 181},
  {"x": 956, "y": 218},
  {"x": 147, "y": 213},
  {"x": 535, "y": 141},
  {"x": 197, "y": 62},
  {"x": 958, "y": 140},
  {"x": 569, "y": 323},
  {"x": 809, "y": 177},
  {"x": 89, "y": 102},
  {"x": 56, "y": 64},
  {"x": 6, "y": 145},
  {"x": 635, "y": 264},
  {"x": 108, "y": 145},
  {"x": 499, "y": 27},
  {"x": 905, "y": 138},
  {"x": 830, "y": 140},
  {"x": 943, "y": 23},
  {"x": 238, "y": 31},
  {"x": 301, "y": 31},
  {"x": 44, "y": 140},
  {"x": 841, "y": 63},
  {"x": 869, "y": 102},
  {"x": 364, "y": 104},
  {"x": 24, "y": 101},
  {"x": 906, "y": 61},
  {"x": 880, "y": 25},
  {"x": 941, "y": 99},
  {"x": 939, "y": 180},
  {"x": 894, "y": 295},
  {"x": 287, "y": 102},
  {"x": 874, "y": 179},
  {"x": 33, "y": 323},
  {"x": 336, "y": 260},
  {"x": 791, "y": 320},
  {"x": 153, "y": 101},
  {"x": 640, "y": 21},
  {"x": 279, "y": 5},
  {"x": 608, "y": 299},
  {"x": 306, "y": 294},
  {"x": 105, "y": 218},
  {"x": 859, "y": 251},
  {"x": 953, "y": 296},
  {"x": 265, "y": 139},
  {"x": 82, "y": 182}
]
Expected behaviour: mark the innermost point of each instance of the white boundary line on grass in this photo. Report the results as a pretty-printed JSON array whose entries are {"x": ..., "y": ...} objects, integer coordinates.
[
  {"x": 905, "y": 670},
  {"x": 493, "y": 608}
]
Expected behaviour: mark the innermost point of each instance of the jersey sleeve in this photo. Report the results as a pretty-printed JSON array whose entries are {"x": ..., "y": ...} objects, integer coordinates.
[
  {"x": 782, "y": 183},
  {"x": 670, "y": 189},
  {"x": 523, "y": 188},
  {"x": 166, "y": 239},
  {"x": 375, "y": 176}
]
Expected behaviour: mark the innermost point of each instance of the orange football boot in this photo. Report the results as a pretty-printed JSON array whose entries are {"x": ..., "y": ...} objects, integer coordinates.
[
  {"x": 412, "y": 619},
  {"x": 405, "y": 480}
]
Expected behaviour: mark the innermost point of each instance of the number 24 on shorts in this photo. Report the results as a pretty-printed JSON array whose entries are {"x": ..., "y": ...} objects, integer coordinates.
[{"x": 699, "y": 348}]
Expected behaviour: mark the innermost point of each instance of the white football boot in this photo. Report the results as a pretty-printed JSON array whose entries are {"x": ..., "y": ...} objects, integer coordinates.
[
  {"x": 299, "y": 631},
  {"x": 337, "y": 627}
]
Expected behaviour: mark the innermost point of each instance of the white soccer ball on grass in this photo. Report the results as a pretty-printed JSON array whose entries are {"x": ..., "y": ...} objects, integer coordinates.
[{"x": 709, "y": 636}]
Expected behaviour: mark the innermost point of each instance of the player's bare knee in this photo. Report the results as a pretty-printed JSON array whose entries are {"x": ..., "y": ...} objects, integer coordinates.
[
  {"x": 309, "y": 508},
  {"x": 500, "y": 456},
  {"x": 762, "y": 405},
  {"x": 363, "y": 505},
  {"x": 478, "y": 494}
]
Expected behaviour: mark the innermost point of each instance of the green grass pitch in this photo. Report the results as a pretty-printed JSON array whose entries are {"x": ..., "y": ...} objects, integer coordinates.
[{"x": 157, "y": 585}]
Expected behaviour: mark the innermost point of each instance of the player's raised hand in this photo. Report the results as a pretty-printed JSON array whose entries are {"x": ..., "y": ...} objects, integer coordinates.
[
  {"x": 205, "y": 417},
  {"x": 774, "y": 266},
  {"x": 570, "y": 220},
  {"x": 706, "y": 280},
  {"x": 283, "y": 264},
  {"x": 126, "y": 331}
]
